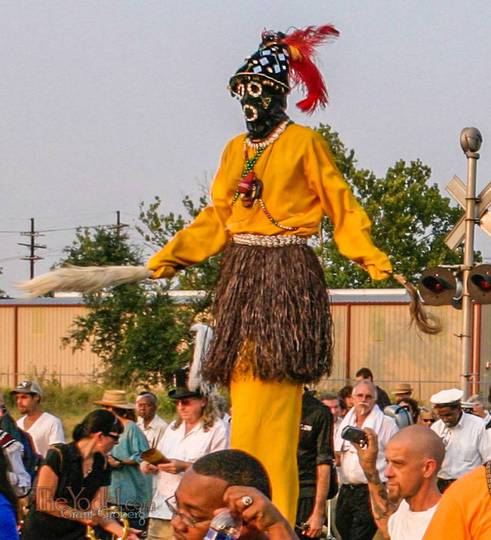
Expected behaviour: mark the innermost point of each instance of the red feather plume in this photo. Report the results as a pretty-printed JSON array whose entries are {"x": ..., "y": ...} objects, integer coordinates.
[{"x": 301, "y": 45}]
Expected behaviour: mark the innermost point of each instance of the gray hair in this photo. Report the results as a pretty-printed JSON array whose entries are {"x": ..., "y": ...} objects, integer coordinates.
[
  {"x": 328, "y": 396},
  {"x": 476, "y": 398},
  {"x": 366, "y": 382},
  {"x": 150, "y": 395}
]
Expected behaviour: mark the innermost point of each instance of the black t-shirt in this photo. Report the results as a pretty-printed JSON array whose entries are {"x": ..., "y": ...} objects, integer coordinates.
[
  {"x": 78, "y": 491},
  {"x": 383, "y": 399},
  {"x": 315, "y": 446}
]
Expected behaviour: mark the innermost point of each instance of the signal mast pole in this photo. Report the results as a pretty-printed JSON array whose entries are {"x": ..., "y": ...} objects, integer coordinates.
[{"x": 470, "y": 141}]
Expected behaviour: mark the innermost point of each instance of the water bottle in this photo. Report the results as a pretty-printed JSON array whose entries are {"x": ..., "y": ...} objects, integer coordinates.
[{"x": 224, "y": 526}]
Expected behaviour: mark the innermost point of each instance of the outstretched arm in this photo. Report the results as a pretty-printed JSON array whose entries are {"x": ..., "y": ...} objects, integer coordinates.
[
  {"x": 206, "y": 236},
  {"x": 351, "y": 223}
]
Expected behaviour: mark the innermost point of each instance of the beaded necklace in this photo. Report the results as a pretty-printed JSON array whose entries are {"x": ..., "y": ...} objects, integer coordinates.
[
  {"x": 250, "y": 188},
  {"x": 271, "y": 138},
  {"x": 247, "y": 172}
]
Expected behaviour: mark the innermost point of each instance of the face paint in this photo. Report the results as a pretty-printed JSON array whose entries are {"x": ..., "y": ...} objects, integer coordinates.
[{"x": 263, "y": 106}]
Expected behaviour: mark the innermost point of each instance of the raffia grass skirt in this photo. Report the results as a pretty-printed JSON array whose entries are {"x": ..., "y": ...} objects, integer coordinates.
[{"x": 272, "y": 316}]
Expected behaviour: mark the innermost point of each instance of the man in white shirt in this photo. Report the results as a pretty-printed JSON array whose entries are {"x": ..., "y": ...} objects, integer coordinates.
[
  {"x": 404, "y": 506},
  {"x": 197, "y": 431},
  {"x": 354, "y": 518},
  {"x": 44, "y": 428},
  {"x": 467, "y": 445},
  {"x": 152, "y": 425}
]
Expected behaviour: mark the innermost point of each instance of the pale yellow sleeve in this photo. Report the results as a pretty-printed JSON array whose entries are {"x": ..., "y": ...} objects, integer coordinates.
[
  {"x": 351, "y": 223},
  {"x": 204, "y": 237}
]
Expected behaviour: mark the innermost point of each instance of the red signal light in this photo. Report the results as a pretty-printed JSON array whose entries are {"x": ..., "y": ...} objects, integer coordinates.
[
  {"x": 435, "y": 284},
  {"x": 483, "y": 282},
  {"x": 480, "y": 283},
  {"x": 438, "y": 286}
]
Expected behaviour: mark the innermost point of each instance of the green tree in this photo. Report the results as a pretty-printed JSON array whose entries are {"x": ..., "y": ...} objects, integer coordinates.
[
  {"x": 410, "y": 219},
  {"x": 135, "y": 329}
]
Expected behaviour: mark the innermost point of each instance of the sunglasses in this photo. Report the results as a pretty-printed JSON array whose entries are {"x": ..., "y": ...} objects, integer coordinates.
[{"x": 114, "y": 436}]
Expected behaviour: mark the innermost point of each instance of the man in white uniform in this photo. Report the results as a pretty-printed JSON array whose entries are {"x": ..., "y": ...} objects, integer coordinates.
[
  {"x": 467, "y": 445},
  {"x": 403, "y": 507},
  {"x": 152, "y": 425},
  {"x": 44, "y": 428}
]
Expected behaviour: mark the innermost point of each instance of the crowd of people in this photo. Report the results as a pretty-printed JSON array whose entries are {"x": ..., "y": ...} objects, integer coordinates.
[{"x": 384, "y": 465}]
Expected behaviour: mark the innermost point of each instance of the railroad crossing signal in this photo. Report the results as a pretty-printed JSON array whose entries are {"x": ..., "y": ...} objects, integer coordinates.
[
  {"x": 440, "y": 286},
  {"x": 475, "y": 281},
  {"x": 457, "y": 190}
]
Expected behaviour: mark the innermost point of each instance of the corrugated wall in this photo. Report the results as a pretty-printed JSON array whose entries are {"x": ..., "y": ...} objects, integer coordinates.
[
  {"x": 39, "y": 348},
  {"x": 383, "y": 339},
  {"x": 340, "y": 318},
  {"x": 378, "y": 336},
  {"x": 7, "y": 346}
]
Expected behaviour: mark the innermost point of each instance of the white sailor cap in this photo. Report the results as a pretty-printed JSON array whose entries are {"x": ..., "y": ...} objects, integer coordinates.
[{"x": 445, "y": 397}]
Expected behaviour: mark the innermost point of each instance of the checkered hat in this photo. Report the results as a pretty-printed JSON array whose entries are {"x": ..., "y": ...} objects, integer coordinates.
[
  {"x": 286, "y": 60},
  {"x": 270, "y": 61}
]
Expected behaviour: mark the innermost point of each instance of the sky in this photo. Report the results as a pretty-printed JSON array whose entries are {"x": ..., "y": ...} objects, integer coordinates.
[{"x": 108, "y": 103}]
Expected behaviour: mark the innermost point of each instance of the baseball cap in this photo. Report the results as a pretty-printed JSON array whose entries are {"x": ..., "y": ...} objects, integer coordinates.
[{"x": 28, "y": 387}]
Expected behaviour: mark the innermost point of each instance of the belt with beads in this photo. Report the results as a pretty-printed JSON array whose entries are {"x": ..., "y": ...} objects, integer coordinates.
[{"x": 269, "y": 241}]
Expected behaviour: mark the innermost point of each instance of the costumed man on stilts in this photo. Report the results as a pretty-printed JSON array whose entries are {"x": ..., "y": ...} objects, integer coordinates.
[
  {"x": 273, "y": 328},
  {"x": 272, "y": 322}
]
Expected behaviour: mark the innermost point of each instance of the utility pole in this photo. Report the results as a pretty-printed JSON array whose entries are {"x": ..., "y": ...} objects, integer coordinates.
[
  {"x": 32, "y": 258},
  {"x": 470, "y": 141},
  {"x": 119, "y": 225},
  {"x": 467, "y": 283}
]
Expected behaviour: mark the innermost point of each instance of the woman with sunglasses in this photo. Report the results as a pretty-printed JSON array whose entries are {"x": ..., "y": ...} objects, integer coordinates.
[
  {"x": 72, "y": 484},
  {"x": 130, "y": 490},
  {"x": 426, "y": 417}
]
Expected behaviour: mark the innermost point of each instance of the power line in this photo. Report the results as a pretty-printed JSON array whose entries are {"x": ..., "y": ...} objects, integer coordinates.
[{"x": 61, "y": 229}]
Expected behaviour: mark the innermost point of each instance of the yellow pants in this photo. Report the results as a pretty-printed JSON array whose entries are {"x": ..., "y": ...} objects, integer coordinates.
[{"x": 266, "y": 424}]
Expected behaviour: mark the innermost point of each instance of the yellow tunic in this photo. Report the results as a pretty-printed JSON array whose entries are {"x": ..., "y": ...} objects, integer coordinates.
[{"x": 301, "y": 183}]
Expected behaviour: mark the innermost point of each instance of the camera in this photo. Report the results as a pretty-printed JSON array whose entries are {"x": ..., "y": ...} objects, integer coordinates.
[{"x": 354, "y": 435}]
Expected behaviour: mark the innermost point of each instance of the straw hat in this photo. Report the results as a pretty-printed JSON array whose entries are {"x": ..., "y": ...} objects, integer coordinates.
[
  {"x": 402, "y": 388},
  {"x": 115, "y": 398}
]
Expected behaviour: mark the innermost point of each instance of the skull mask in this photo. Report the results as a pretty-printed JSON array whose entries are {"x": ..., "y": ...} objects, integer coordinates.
[{"x": 262, "y": 103}]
